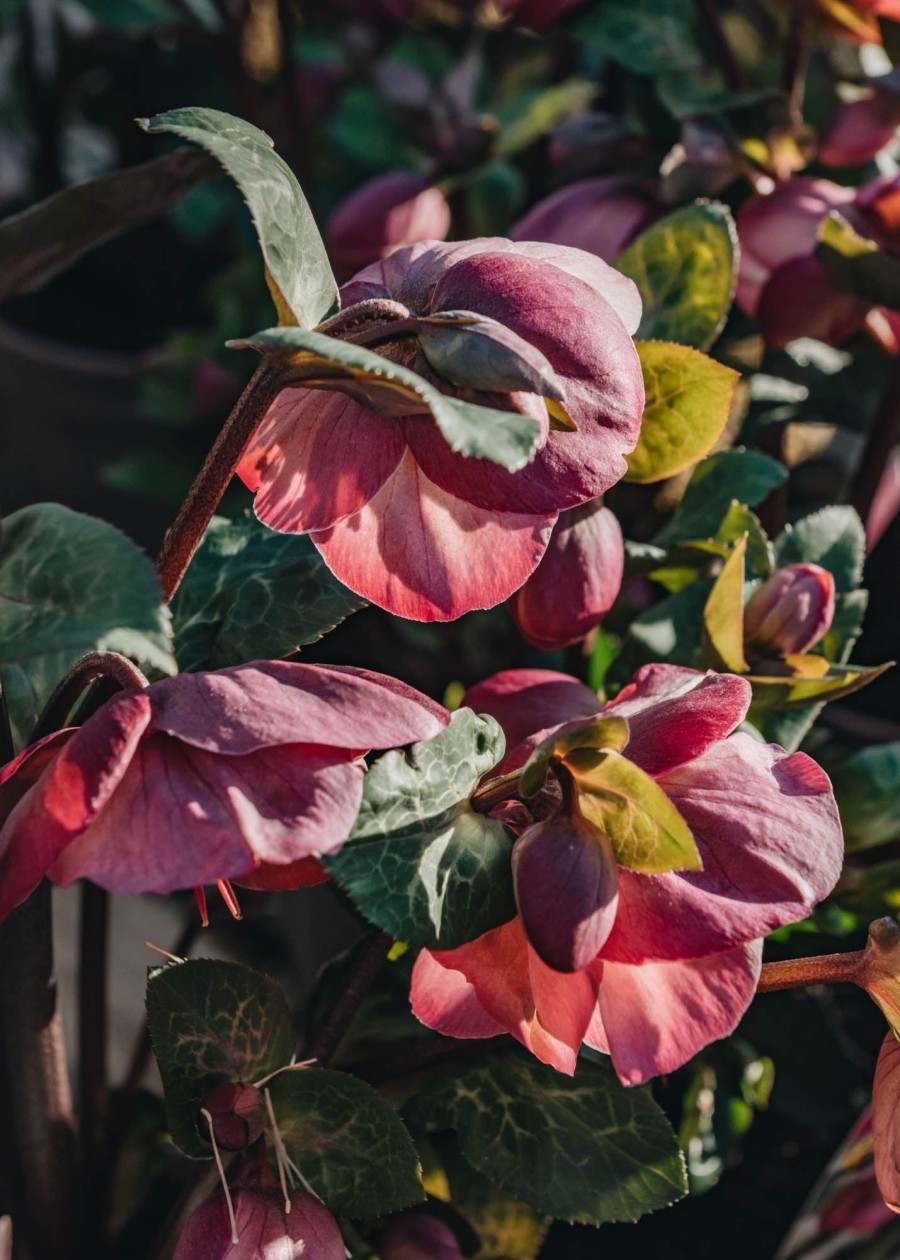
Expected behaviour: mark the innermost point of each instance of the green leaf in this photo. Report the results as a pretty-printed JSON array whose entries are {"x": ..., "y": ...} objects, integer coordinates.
[
  {"x": 581, "y": 1148},
  {"x": 747, "y": 476},
  {"x": 857, "y": 264},
  {"x": 349, "y": 1144},
  {"x": 833, "y": 538},
  {"x": 70, "y": 584},
  {"x": 421, "y": 863},
  {"x": 867, "y": 787},
  {"x": 252, "y": 593},
  {"x": 685, "y": 267},
  {"x": 297, "y": 269},
  {"x": 507, "y": 438},
  {"x": 646, "y": 831},
  {"x": 48, "y": 238},
  {"x": 595, "y": 733},
  {"x": 688, "y": 398},
  {"x": 212, "y": 1022},
  {"x": 646, "y": 36},
  {"x": 531, "y": 114},
  {"x": 723, "y": 615}
]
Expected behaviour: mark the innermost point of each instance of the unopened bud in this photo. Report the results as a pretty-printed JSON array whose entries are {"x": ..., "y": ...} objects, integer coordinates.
[
  {"x": 791, "y": 611},
  {"x": 418, "y": 1236},
  {"x": 237, "y": 1115},
  {"x": 386, "y": 213}
]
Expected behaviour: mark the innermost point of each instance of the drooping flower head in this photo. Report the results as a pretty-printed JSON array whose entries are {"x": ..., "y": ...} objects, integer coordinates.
[
  {"x": 395, "y": 513},
  {"x": 703, "y": 848},
  {"x": 203, "y": 777}
]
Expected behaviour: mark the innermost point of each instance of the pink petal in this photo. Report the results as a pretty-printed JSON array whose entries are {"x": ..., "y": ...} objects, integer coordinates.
[
  {"x": 247, "y": 707},
  {"x": 182, "y": 817},
  {"x": 801, "y": 300},
  {"x": 659, "y": 1014},
  {"x": 598, "y": 215},
  {"x": 675, "y": 714},
  {"x": 20, "y": 774},
  {"x": 525, "y": 701},
  {"x": 317, "y": 458},
  {"x": 443, "y": 999},
  {"x": 546, "y": 1011},
  {"x": 886, "y": 1121},
  {"x": 384, "y": 214},
  {"x": 566, "y": 890},
  {"x": 72, "y": 791},
  {"x": 768, "y": 832},
  {"x": 304, "y": 873},
  {"x": 423, "y": 554}
]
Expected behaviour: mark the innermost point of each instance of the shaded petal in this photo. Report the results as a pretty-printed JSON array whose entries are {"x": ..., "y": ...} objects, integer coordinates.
[
  {"x": 886, "y": 1121},
  {"x": 659, "y": 1014},
  {"x": 525, "y": 701},
  {"x": 304, "y": 873},
  {"x": 425, "y": 555},
  {"x": 316, "y": 458},
  {"x": 182, "y": 817},
  {"x": 69, "y": 795},
  {"x": 20, "y": 774},
  {"x": 676, "y": 714},
  {"x": 546, "y": 1011},
  {"x": 801, "y": 300},
  {"x": 767, "y": 829},
  {"x": 264, "y": 703},
  {"x": 443, "y": 999}
]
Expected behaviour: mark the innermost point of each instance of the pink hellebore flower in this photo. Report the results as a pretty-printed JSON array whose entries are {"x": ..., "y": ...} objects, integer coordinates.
[
  {"x": 576, "y": 583},
  {"x": 383, "y": 215},
  {"x": 264, "y": 1230},
  {"x": 680, "y": 963},
  {"x": 418, "y": 1236},
  {"x": 791, "y": 611},
  {"x": 858, "y": 131},
  {"x": 204, "y": 777},
  {"x": 395, "y": 513},
  {"x": 600, "y": 215}
]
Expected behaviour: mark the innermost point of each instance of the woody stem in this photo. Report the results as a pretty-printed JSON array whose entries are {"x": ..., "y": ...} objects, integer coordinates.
[
  {"x": 504, "y": 788},
  {"x": 111, "y": 665},
  {"x": 328, "y": 1036},
  {"x": 184, "y": 536},
  {"x": 794, "y": 973}
]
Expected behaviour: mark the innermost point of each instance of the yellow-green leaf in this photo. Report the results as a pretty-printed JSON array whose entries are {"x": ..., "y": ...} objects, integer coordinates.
[
  {"x": 688, "y": 398},
  {"x": 646, "y": 831},
  {"x": 789, "y": 692},
  {"x": 595, "y": 733},
  {"x": 723, "y": 616}
]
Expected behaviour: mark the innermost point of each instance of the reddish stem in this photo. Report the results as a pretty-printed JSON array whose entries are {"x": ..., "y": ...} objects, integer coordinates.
[
  {"x": 204, "y": 496},
  {"x": 112, "y": 665},
  {"x": 794, "y": 973}
]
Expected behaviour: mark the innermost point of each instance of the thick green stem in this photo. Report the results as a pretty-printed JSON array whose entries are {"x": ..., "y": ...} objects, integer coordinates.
[{"x": 204, "y": 496}]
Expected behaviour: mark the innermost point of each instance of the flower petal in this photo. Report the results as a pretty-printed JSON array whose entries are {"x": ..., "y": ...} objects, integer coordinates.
[
  {"x": 676, "y": 714},
  {"x": 767, "y": 829},
  {"x": 317, "y": 458},
  {"x": 886, "y": 1121},
  {"x": 264, "y": 703},
  {"x": 525, "y": 701},
  {"x": 426, "y": 555},
  {"x": 658, "y": 1015}
]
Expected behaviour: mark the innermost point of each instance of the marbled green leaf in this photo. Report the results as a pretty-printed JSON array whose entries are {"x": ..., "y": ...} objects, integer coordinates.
[
  {"x": 350, "y": 1145},
  {"x": 582, "y": 1148},
  {"x": 747, "y": 476},
  {"x": 421, "y": 863},
  {"x": 212, "y": 1022},
  {"x": 71, "y": 584},
  {"x": 685, "y": 267},
  {"x": 833, "y": 537},
  {"x": 251, "y": 593},
  {"x": 297, "y": 269},
  {"x": 867, "y": 788}
]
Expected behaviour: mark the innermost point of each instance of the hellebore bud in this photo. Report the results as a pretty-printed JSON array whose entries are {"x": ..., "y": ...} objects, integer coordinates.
[
  {"x": 383, "y": 215},
  {"x": 858, "y": 131},
  {"x": 418, "y": 1236},
  {"x": 237, "y": 1115},
  {"x": 600, "y": 215},
  {"x": 577, "y": 581},
  {"x": 791, "y": 611}
]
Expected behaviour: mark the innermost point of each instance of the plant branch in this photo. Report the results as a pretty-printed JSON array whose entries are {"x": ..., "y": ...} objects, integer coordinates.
[
  {"x": 794, "y": 973},
  {"x": 795, "y": 58},
  {"x": 93, "y": 1029},
  {"x": 504, "y": 788},
  {"x": 204, "y": 496},
  {"x": 733, "y": 70},
  {"x": 880, "y": 441},
  {"x": 372, "y": 957},
  {"x": 95, "y": 665}
]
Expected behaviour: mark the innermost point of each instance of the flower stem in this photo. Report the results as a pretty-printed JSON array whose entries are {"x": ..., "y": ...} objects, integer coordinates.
[
  {"x": 204, "y": 496},
  {"x": 504, "y": 788},
  {"x": 40, "y": 1096},
  {"x": 881, "y": 440},
  {"x": 93, "y": 1095},
  {"x": 794, "y": 973},
  {"x": 732, "y": 68},
  {"x": 795, "y": 58},
  {"x": 112, "y": 665},
  {"x": 372, "y": 957}
]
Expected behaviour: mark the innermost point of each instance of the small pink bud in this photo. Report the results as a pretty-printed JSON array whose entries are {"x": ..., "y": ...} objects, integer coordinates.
[
  {"x": 238, "y": 1115},
  {"x": 383, "y": 215},
  {"x": 577, "y": 581},
  {"x": 600, "y": 216},
  {"x": 418, "y": 1236},
  {"x": 791, "y": 611}
]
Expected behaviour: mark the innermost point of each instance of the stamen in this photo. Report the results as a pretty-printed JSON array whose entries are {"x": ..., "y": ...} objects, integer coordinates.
[
  {"x": 165, "y": 953},
  {"x": 281, "y": 1155},
  {"x": 288, "y": 1067},
  {"x": 229, "y": 898},
  {"x": 200, "y": 895},
  {"x": 218, "y": 1158}
]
